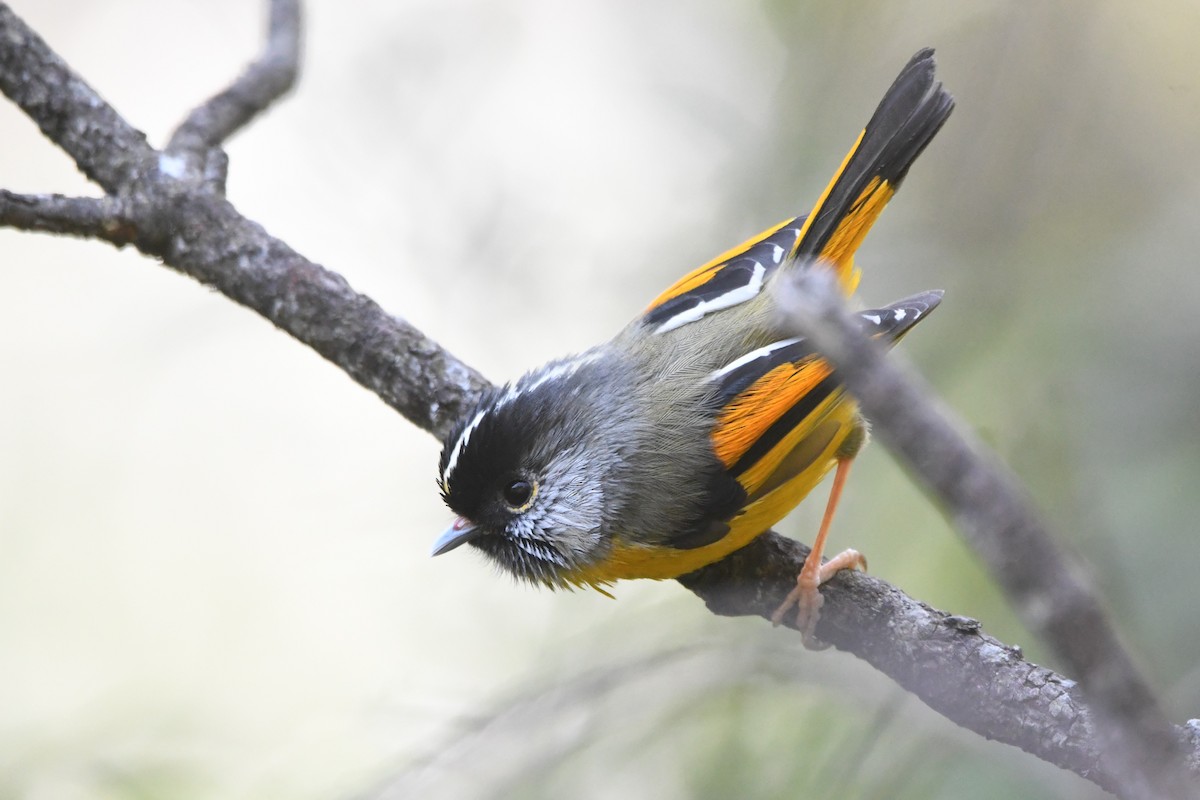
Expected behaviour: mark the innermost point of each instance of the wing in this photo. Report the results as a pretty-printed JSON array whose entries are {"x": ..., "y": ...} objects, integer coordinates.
[
  {"x": 735, "y": 276},
  {"x": 906, "y": 120},
  {"x": 783, "y": 416},
  {"x": 769, "y": 401}
]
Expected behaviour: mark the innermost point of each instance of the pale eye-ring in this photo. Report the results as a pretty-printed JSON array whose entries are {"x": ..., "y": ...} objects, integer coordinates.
[{"x": 519, "y": 494}]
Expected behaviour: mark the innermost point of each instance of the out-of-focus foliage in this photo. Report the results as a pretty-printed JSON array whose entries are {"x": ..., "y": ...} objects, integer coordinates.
[{"x": 214, "y": 578}]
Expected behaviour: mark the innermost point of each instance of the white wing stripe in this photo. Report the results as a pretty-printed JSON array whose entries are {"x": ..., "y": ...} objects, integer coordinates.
[
  {"x": 731, "y": 298},
  {"x": 753, "y": 355}
]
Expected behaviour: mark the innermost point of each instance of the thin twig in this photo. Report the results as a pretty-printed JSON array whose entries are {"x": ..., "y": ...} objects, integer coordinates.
[
  {"x": 86, "y": 217},
  {"x": 267, "y": 79},
  {"x": 1050, "y": 590}
]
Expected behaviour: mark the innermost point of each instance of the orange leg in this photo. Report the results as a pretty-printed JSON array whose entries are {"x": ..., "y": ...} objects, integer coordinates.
[{"x": 807, "y": 594}]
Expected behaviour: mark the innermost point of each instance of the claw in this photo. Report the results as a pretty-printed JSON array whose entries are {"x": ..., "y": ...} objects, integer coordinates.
[{"x": 806, "y": 595}]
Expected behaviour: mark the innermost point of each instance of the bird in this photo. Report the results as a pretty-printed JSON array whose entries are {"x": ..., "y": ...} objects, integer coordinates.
[{"x": 705, "y": 420}]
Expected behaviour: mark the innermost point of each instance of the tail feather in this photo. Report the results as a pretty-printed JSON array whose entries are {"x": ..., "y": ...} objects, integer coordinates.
[
  {"x": 894, "y": 320},
  {"x": 909, "y": 116}
]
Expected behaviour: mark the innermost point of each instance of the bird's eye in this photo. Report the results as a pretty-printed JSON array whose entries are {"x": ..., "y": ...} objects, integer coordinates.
[{"x": 519, "y": 494}]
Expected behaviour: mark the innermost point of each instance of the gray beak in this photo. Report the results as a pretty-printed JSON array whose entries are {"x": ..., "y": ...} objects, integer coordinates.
[{"x": 462, "y": 531}]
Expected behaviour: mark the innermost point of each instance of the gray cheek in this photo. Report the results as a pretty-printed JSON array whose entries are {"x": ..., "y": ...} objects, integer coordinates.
[{"x": 572, "y": 517}]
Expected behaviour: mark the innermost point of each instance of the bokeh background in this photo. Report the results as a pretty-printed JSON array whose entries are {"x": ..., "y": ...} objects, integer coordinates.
[{"x": 214, "y": 571}]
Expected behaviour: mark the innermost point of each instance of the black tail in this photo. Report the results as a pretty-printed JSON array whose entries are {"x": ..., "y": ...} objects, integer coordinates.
[{"x": 907, "y": 119}]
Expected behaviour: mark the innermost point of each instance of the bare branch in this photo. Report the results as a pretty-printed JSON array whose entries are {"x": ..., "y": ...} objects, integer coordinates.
[
  {"x": 69, "y": 112},
  {"x": 971, "y": 678},
  {"x": 1050, "y": 590},
  {"x": 270, "y": 76},
  {"x": 87, "y": 217},
  {"x": 947, "y": 661},
  {"x": 203, "y": 235},
  {"x": 200, "y": 234}
]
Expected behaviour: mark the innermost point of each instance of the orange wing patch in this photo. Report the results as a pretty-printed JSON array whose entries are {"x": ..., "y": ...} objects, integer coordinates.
[
  {"x": 780, "y": 409},
  {"x": 751, "y": 414},
  {"x": 772, "y": 406}
]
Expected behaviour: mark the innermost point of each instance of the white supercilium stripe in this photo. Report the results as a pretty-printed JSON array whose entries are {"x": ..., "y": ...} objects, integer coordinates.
[
  {"x": 531, "y": 382},
  {"x": 463, "y": 438},
  {"x": 538, "y": 379}
]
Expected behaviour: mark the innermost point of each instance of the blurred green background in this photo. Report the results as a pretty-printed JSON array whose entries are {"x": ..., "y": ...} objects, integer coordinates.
[{"x": 214, "y": 572}]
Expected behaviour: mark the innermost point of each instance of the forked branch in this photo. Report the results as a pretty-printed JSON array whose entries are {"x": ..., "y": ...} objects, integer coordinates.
[{"x": 176, "y": 215}]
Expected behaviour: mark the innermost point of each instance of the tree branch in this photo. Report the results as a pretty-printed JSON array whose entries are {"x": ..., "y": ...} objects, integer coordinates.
[
  {"x": 1051, "y": 591},
  {"x": 69, "y": 112},
  {"x": 88, "y": 217},
  {"x": 948, "y": 661},
  {"x": 969, "y": 677},
  {"x": 197, "y": 232},
  {"x": 194, "y": 147},
  {"x": 267, "y": 79},
  {"x": 204, "y": 236}
]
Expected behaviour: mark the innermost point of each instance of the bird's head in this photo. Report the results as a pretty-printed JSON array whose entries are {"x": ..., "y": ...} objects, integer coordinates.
[{"x": 526, "y": 478}]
